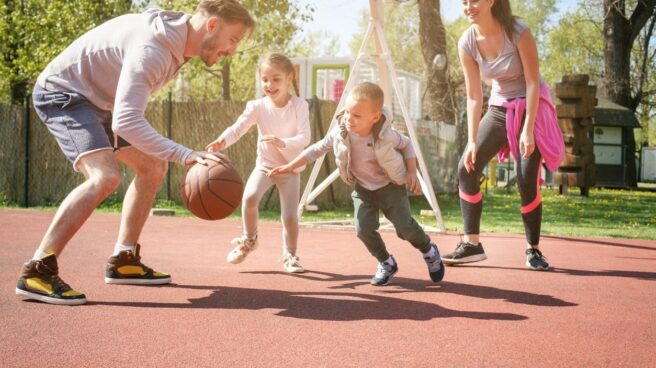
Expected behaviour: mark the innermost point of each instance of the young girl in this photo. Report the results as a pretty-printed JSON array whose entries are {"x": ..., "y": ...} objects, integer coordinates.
[
  {"x": 283, "y": 127},
  {"x": 521, "y": 117}
]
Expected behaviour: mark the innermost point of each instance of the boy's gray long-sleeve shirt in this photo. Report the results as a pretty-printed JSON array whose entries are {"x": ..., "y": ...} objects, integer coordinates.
[{"x": 118, "y": 65}]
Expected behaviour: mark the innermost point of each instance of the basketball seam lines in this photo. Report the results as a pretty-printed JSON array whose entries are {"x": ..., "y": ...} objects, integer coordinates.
[
  {"x": 202, "y": 203},
  {"x": 227, "y": 180},
  {"x": 217, "y": 195}
]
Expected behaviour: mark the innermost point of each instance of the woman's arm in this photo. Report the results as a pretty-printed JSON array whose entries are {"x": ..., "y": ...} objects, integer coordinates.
[
  {"x": 529, "y": 54},
  {"x": 474, "y": 105}
]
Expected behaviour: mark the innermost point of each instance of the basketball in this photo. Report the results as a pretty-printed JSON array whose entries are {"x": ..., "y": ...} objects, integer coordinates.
[{"x": 212, "y": 191}]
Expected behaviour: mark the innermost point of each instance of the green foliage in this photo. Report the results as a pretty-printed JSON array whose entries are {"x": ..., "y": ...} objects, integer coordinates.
[
  {"x": 575, "y": 45},
  {"x": 320, "y": 43},
  {"x": 537, "y": 15},
  {"x": 33, "y": 32},
  {"x": 605, "y": 213},
  {"x": 401, "y": 21},
  {"x": 278, "y": 22}
]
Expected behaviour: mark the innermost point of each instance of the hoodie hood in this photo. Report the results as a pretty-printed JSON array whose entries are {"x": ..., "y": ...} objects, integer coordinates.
[{"x": 170, "y": 29}]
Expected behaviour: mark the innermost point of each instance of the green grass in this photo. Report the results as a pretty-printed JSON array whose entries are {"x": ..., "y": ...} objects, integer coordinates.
[{"x": 605, "y": 213}]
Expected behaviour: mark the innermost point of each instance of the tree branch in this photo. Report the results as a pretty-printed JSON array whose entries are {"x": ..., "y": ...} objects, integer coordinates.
[
  {"x": 643, "y": 11},
  {"x": 645, "y": 59}
]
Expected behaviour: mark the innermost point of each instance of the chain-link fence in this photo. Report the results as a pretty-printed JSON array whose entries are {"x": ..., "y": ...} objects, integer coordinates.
[{"x": 33, "y": 171}]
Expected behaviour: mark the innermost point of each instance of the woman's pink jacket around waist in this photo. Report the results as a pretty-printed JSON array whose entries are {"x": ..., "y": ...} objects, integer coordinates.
[{"x": 548, "y": 137}]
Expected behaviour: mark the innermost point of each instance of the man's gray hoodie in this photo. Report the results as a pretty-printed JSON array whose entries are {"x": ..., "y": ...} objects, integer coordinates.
[{"x": 118, "y": 65}]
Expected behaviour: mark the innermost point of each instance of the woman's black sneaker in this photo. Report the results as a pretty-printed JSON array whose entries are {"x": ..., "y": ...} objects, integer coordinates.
[{"x": 465, "y": 253}]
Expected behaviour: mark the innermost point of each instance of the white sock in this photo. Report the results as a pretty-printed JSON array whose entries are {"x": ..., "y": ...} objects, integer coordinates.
[
  {"x": 390, "y": 261},
  {"x": 121, "y": 247},
  {"x": 430, "y": 253},
  {"x": 39, "y": 254}
]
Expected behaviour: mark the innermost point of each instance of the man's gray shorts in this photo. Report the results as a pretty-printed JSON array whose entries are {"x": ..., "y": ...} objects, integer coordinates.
[{"x": 78, "y": 125}]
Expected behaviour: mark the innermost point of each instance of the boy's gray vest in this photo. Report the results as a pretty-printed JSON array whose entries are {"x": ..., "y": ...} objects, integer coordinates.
[{"x": 389, "y": 158}]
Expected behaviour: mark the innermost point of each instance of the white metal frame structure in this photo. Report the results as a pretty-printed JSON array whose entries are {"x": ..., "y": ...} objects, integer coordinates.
[{"x": 387, "y": 74}]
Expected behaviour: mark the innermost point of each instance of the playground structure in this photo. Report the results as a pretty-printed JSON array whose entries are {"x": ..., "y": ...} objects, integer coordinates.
[
  {"x": 325, "y": 78},
  {"x": 389, "y": 82}
]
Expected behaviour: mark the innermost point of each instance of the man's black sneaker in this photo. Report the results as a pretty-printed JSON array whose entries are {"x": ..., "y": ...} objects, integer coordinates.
[
  {"x": 434, "y": 263},
  {"x": 465, "y": 252},
  {"x": 384, "y": 272},
  {"x": 39, "y": 280},
  {"x": 535, "y": 260},
  {"x": 126, "y": 268}
]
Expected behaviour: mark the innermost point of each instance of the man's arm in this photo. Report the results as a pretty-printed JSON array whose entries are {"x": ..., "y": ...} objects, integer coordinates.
[{"x": 132, "y": 94}]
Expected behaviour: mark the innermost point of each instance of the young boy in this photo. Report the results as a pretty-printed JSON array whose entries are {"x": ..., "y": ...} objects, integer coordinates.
[{"x": 378, "y": 161}]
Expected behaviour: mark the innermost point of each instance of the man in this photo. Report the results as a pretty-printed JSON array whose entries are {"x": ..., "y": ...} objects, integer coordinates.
[{"x": 92, "y": 98}]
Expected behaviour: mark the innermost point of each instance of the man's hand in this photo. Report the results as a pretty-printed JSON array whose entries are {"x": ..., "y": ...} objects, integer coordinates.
[
  {"x": 273, "y": 140},
  {"x": 216, "y": 146},
  {"x": 413, "y": 182},
  {"x": 201, "y": 157},
  {"x": 284, "y": 169}
]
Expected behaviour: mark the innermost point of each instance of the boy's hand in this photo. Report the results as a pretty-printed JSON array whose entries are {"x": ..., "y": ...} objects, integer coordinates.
[
  {"x": 413, "y": 182},
  {"x": 284, "y": 169},
  {"x": 273, "y": 140},
  {"x": 216, "y": 146}
]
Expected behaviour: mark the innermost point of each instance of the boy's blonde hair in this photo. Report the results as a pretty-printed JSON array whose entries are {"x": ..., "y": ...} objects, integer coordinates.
[
  {"x": 281, "y": 62},
  {"x": 229, "y": 10},
  {"x": 367, "y": 91}
]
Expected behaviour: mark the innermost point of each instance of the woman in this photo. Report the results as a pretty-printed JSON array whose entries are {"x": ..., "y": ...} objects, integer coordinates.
[{"x": 520, "y": 119}]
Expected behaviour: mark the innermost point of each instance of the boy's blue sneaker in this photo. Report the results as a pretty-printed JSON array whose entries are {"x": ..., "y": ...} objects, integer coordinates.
[
  {"x": 384, "y": 272},
  {"x": 434, "y": 263}
]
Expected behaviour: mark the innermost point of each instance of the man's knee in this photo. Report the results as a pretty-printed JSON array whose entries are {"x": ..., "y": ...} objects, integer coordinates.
[
  {"x": 106, "y": 180},
  {"x": 153, "y": 168}
]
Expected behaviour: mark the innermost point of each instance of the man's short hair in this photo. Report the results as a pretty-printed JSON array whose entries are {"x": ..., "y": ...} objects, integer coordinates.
[
  {"x": 367, "y": 91},
  {"x": 229, "y": 10}
]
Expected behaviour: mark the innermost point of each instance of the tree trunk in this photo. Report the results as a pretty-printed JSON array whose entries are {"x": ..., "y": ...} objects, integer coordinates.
[
  {"x": 620, "y": 32},
  {"x": 440, "y": 103},
  {"x": 432, "y": 36},
  {"x": 617, "y": 53}
]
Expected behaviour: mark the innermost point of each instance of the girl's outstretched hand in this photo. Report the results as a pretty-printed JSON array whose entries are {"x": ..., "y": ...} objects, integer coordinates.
[
  {"x": 284, "y": 169},
  {"x": 216, "y": 146},
  {"x": 273, "y": 140}
]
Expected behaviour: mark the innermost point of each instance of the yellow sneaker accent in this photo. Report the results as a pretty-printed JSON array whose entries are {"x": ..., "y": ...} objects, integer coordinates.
[
  {"x": 160, "y": 274},
  {"x": 71, "y": 293},
  {"x": 131, "y": 270},
  {"x": 39, "y": 285}
]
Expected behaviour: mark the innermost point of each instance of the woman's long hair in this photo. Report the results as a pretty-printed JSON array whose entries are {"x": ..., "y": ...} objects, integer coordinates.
[{"x": 502, "y": 12}]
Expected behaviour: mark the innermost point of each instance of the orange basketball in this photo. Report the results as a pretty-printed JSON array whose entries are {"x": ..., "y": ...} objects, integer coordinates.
[{"x": 212, "y": 191}]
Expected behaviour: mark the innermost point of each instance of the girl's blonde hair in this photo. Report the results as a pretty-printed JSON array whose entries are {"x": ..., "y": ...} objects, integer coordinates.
[{"x": 281, "y": 62}]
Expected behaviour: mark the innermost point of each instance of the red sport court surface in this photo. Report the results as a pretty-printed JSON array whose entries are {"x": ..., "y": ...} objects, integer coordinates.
[{"x": 597, "y": 307}]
